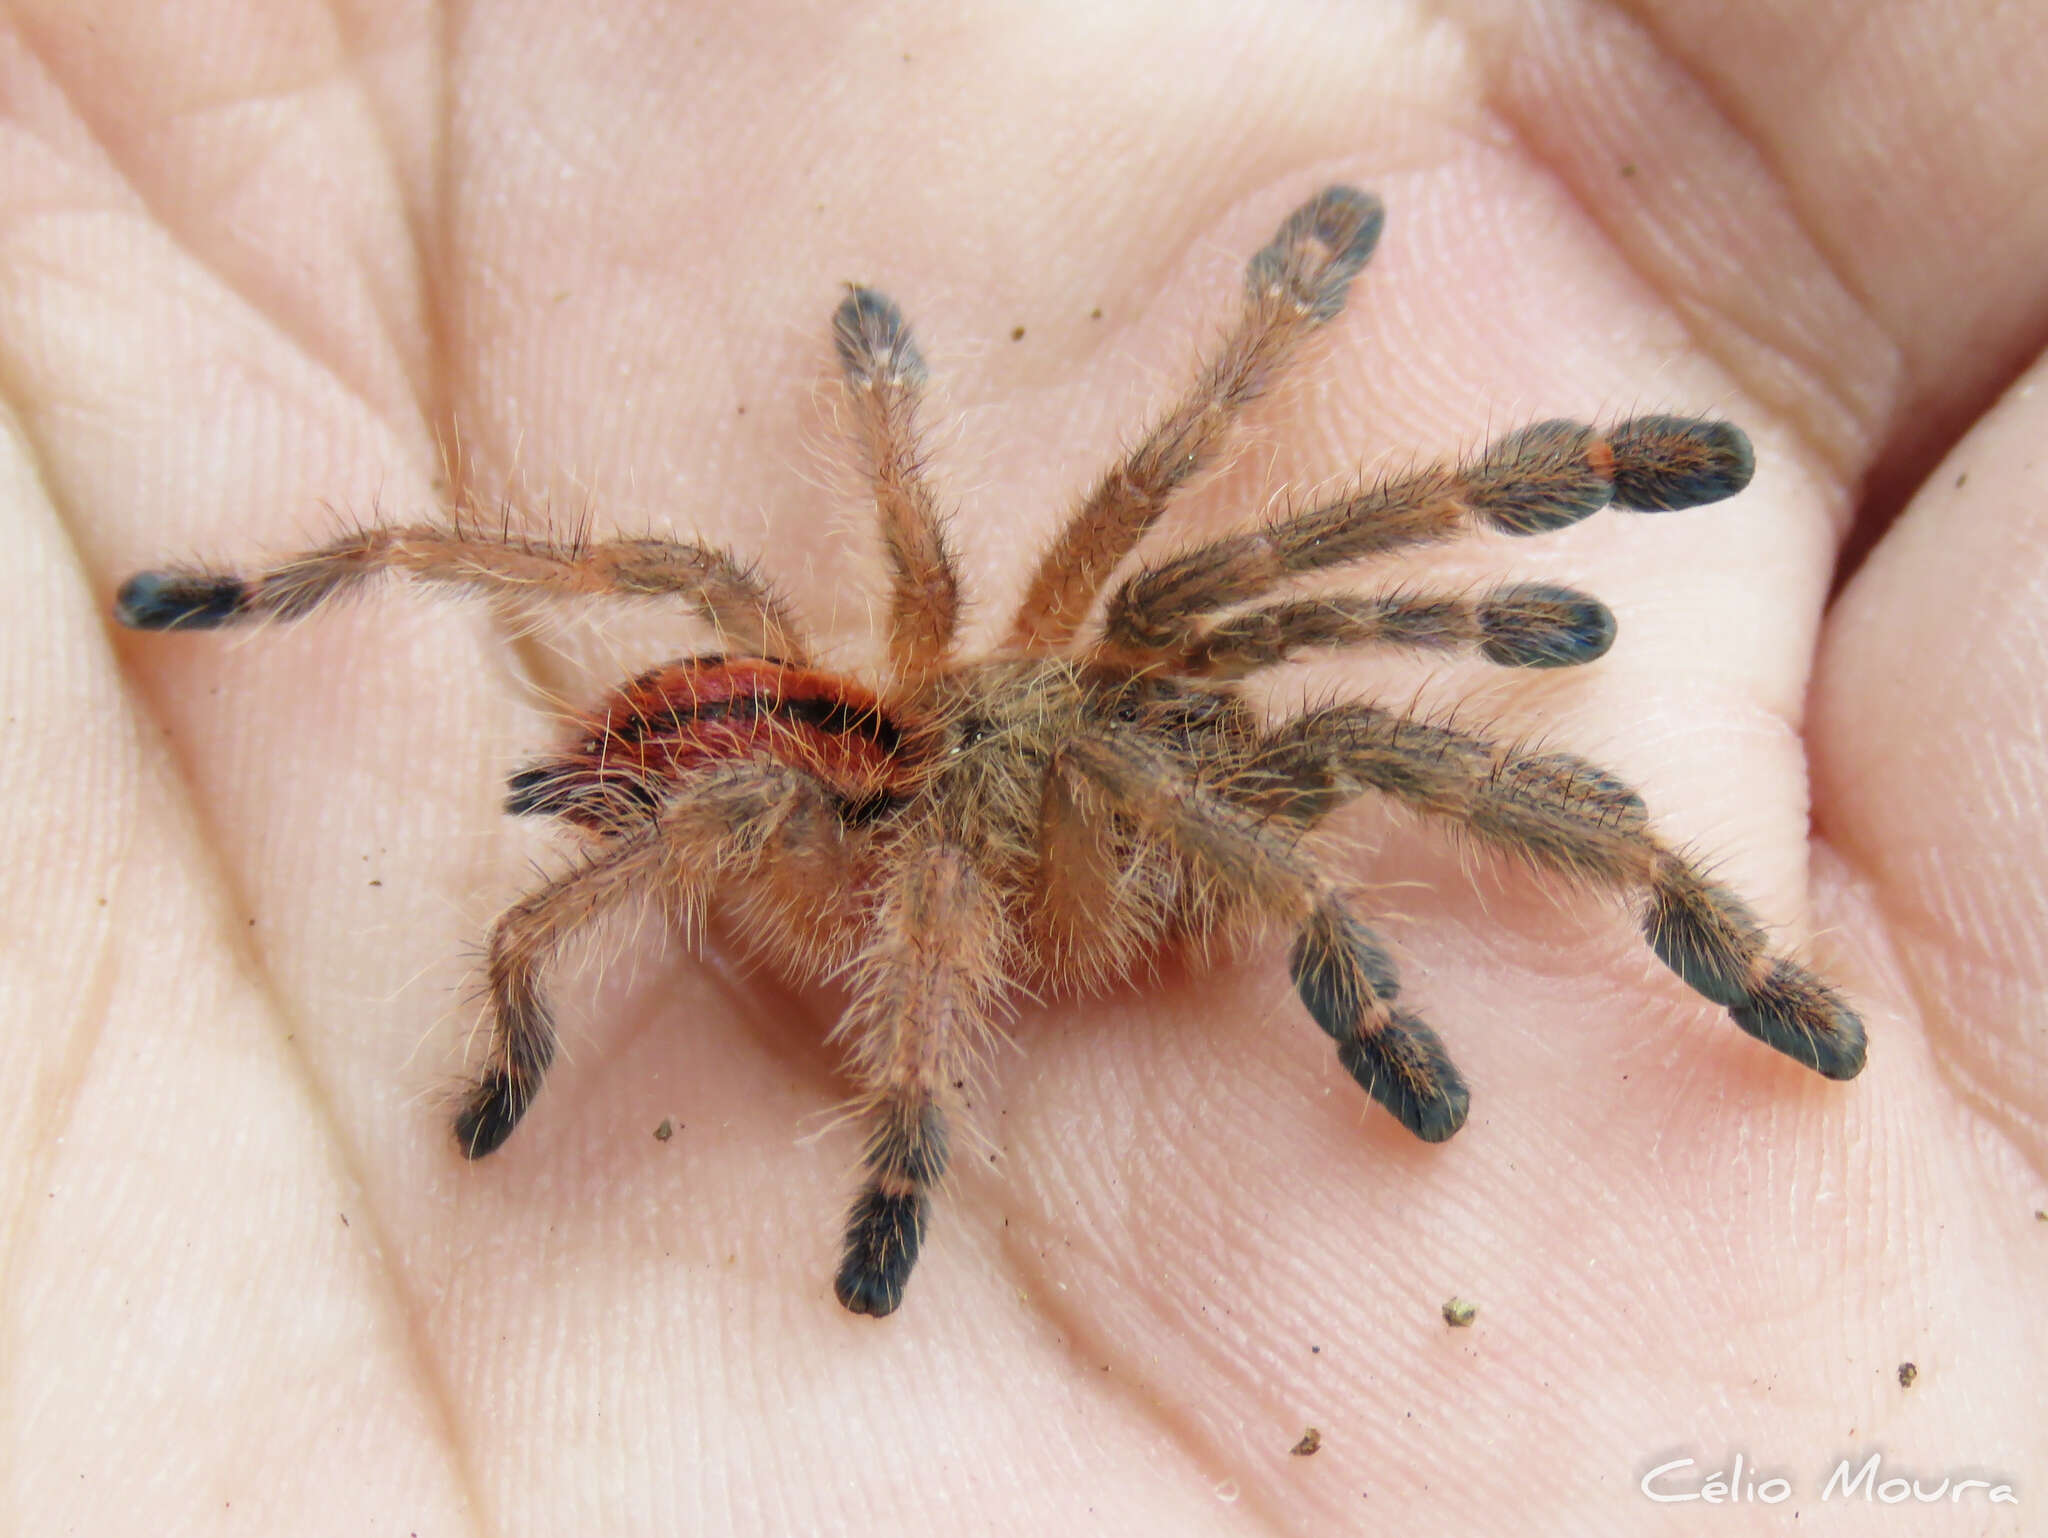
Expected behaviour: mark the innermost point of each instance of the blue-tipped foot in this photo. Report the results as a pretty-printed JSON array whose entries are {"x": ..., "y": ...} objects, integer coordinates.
[{"x": 176, "y": 600}]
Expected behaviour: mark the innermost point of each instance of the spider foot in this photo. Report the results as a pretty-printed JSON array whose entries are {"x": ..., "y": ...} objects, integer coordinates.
[
  {"x": 882, "y": 1239},
  {"x": 1708, "y": 936},
  {"x": 489, "y": 1112},
  {"x": 1663, "y": 464},
  {"x": 1318, "y": 250},
  {"x": 179, "y": 600},
  {"x": 1345, "y": 980},
  {"x": 1539, "y": 625},
  {"x": 1404, "y": 1067},
  {"x": 873, "y": 341},
  {"x": 1804, "y": 1018}
]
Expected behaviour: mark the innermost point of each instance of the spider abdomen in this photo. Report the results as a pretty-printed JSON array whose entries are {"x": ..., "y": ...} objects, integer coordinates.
[{"x": 696, "y": 713}]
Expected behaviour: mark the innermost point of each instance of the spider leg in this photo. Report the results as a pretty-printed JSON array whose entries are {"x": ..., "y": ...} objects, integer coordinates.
[
  {"x": 1105, "y": 889},
  {"x": 716, "y": 827},
  {"x": 1570, "y": 816},
  {"x": 922, "y": 1011},
  {"x": 1293, "y": 286},
  {"x": 742, "y": 607},
  {"x": 885, "y": 376},
  {"x": 1528, "y": 625},
  {"x": 1529, "y": 482},
  {"x": 523, "y": 941},
  {"x": 1345, "y": 978}
]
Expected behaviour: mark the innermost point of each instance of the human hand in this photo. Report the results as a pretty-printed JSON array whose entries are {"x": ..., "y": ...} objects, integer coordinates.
[{"x": 269, "y": 260}]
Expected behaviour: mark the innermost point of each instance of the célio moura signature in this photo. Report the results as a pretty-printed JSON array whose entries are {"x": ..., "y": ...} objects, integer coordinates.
[{"x": 1740, "y": 1482}]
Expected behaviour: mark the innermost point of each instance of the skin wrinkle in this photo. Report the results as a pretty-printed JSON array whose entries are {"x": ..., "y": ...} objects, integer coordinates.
[
  {"x": 1118, "y": 1378},
  {"x": 432, "y": 239},
  {"x": 158, "y": 220},
  {"x": 1709, "y": 340},
  {"x": 1883, "y": 461},
  {"x": 524, "y": 657},
  {"x": 90, "y": 1041},
  {"x": 424, "y": 396},
  {"x": 1124, "y": 1385},
  {"x": 53, "y": 1119},
  {"x": 1930, "y": 984},
  {"x": 1924, "y": 948},
  {"x": 401, "y": 1301}
]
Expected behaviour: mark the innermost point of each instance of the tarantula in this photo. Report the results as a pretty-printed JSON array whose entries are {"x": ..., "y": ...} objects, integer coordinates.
[{"x": 1052, "y": 813}]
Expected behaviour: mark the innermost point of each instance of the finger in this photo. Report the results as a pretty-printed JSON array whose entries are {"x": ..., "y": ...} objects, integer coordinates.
[
  {"x": 1931, "y": 755},
  {"x": 1851, "y": 210}
]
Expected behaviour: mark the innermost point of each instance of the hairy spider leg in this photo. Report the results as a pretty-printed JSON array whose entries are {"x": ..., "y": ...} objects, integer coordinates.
[
  {"x": 523, "y": 942},
  {"x": 885, "y": 378},
  {"x": 925, "y": 989},
  {"x": 1107, "y": 890},
  {"x": 1521, "y": 625},
  {"x": 1344, "y": 976},
  {"x": 1563, "y": 814},
  {"x": 1530, "y": 482},
  {"x": 713, "y": 828},
  {"x": 741, "y": 606},
  {"x": 1292, "y": 287}
]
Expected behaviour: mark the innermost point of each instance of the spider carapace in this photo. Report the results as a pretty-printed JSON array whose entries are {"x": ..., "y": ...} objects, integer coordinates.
[{"x": 1047, "y": 815}]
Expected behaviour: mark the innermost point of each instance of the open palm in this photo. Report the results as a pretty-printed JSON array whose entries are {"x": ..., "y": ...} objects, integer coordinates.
[{"x": 267, "y": 260}]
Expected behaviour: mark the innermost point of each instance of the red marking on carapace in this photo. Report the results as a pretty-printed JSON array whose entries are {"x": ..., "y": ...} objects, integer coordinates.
[{"x": 701, "y": 711}]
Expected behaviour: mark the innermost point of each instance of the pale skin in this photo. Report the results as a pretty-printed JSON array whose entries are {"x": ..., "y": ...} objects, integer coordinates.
[{"x": 254, "y": 271}]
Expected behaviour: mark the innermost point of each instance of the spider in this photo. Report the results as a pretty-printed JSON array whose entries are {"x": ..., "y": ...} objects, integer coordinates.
[{"x": 1052, "y": 813}]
